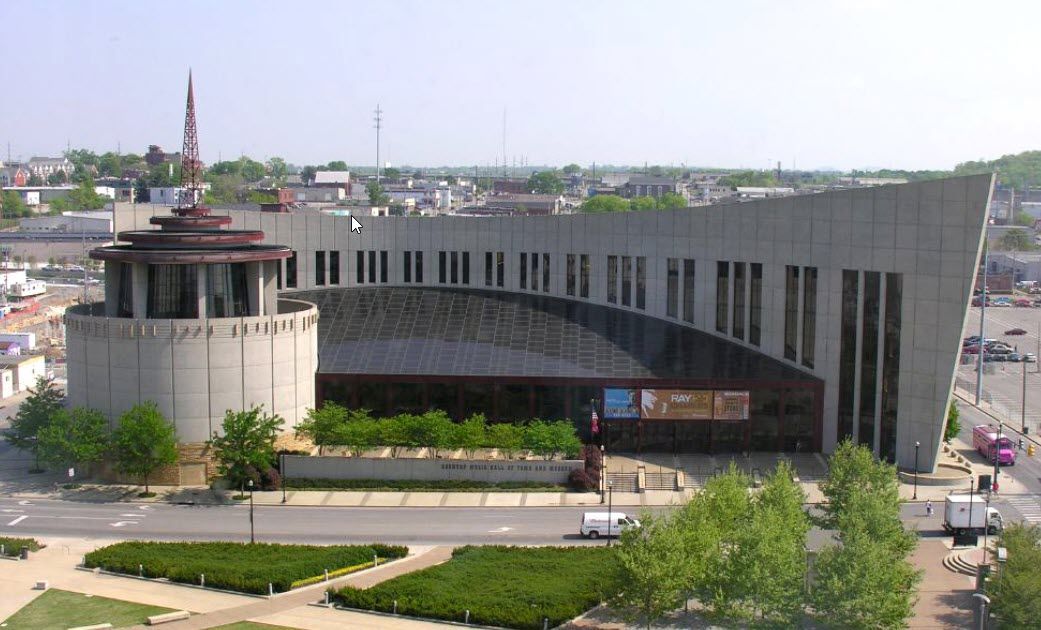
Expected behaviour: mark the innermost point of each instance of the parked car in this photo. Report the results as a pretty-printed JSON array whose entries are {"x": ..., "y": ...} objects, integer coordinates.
[
  {"x": 1015, "y": 357},
  {"x": 1015, "y": 331},
  {"x": 1029, "y": 357},
  {"x": 1002, "y": 349},
  {"x": 1023, "y": 302},
  {"x": 971, "y": 350}
]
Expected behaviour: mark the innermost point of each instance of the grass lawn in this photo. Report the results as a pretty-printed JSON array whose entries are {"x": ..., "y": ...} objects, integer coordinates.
[
  {"x": 241, "y": 567},
  {"x": 58, "y": 610},
  {"x": 512, "y": 587}
]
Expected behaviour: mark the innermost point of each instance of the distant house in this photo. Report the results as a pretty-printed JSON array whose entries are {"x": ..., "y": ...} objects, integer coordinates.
[
  {"x": 156, "y": 156},
  {"x": 510, "y": 185},
  {"x": 528, "y": 204},
  {"x": 333, "y": 179},
  {"x": 171, "y": 196},
  {"x": 44, "y": 167},
  {"x": 647, "y": 186},
  {"x": 14, "y": 175}
]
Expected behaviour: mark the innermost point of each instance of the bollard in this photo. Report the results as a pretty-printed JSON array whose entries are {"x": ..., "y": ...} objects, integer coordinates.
[
  {"x": 270, "y": 590},
  {"x": 327, "y": 598},
  {"x": 395, "y": 606},
  {"x": 545, "y": 623},
  {"x": 467, "y": 619},
  {"x": 327, "y": 575},
  {"x": 25, "y": 553},
  {"x": 375, "y": 560},
  {"x": 202, "y": 579},
  {"x": 140, "y": 570},
  {"x": 1, "y": 550}
]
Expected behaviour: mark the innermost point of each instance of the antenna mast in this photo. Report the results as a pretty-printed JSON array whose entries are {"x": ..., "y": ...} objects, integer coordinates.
[
  {"x": 379, "y": 125},
  {"x": 191, "y": 166}
]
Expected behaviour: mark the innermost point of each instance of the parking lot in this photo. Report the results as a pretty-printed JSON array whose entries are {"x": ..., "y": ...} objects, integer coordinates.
[{"x": 1003, "y": 381}]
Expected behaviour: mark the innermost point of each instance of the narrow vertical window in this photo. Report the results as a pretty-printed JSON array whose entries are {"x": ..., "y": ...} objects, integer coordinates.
[
  {"x": 319, "y": 268},
  {"x": 791, "y": 312},
  {"x": 722, "y": 295},
  {"x": 419, "y": 267},
  {"x": 384, "y": 266},
  {"x": 672, "y": 286},
  {"x": 809, "y": 315},
  {"x": 466, "y": 267},
  {"x": 627, "y": 281},
  {"x": 739, "y": 300},
  {"x": 524, "y": 271},
  {"x": 278, "y": 275},
  {"x": 442, "y": 267},
  {"x": 372, "y": 266},
  {"x": 612, "y": 279},
  {"x": 688, "y": 290},
  {"x": 641, "y": 282},
  {"x": 534, "y": 271},
  {"x": 545, "y": 273},
  {"x": 454, "y": 258},
  {"x": 869, "y": 357},
  {"x": 487, "y": 269},
  {"x": 584, "y": 267},
  {"x": 406, "y": 267},
  {"x": 891, "y": 365},
  {"x": 500, "y": 269},
  {"x": 291, "y": 271},
  {"x": 334, "y": 267},
  {"x": 359, "y": 268},
  {"x": 755, "y": 305},
  {"x": 848, "y": 353},
  {"x": 571, "y": 274}
]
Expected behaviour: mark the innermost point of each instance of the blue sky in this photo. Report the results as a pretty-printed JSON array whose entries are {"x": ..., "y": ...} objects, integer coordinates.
[{"x": 848, "y": 84}]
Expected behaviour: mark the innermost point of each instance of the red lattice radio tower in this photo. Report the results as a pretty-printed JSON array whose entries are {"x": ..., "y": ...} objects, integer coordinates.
[{"x": 191, "y": 165}]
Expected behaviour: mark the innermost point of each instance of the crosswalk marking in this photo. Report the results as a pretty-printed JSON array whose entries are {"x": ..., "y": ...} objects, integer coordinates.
[{"x": 1027, "y": 505}]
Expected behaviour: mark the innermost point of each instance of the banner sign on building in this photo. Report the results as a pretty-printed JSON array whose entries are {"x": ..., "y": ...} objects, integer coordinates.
[
  {"x": 731, "y": 405},
  {"x": 675, "y": 404},
  {"x": 620, "y": 403}
]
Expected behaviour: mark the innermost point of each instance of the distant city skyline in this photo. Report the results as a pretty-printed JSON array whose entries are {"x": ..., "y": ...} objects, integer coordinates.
[{"x": 849, "y": 84}]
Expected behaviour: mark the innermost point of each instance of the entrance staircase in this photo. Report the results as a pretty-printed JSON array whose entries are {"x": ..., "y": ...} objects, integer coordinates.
[{"x": 623, "y": 482}]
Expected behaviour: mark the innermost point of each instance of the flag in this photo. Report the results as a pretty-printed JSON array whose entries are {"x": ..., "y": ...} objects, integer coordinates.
[{"x": 594, "y": 423}]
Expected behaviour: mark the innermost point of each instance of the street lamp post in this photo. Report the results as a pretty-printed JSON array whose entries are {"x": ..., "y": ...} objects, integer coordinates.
[
  {"x": 603, "y": 474},
  {"x": 1023, "y": 405},
  {"x": 610, "y": 503},
  {"x": 282, "y": 473},
  {"x": 970, "y": 504},
  {"x": 252, "y": 539},
  {"x": 916, "y": 445},
  {"x": 997, "y": 458}
]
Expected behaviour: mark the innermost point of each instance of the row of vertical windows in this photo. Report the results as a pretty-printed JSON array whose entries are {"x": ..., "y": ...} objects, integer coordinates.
[
  {"x": 320, "y": 269},
  {"x": 448, "y": 267},
  {"x": 745, "y": 281},
  {"x": 370, "y": 256},
  {"x": 672, "y": 291},
  {"x": 583, "y": 274},
  {"x": 627, "y": 280},
  {"x": 534, "y": 276},
  {"x": 410, "y": 271}
]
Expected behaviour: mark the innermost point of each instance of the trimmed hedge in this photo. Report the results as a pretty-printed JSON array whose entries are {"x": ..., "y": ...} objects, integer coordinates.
[
  {"x": 512, "y": 587},
  {"x": 13, "y": 546},
  {"x": 242, "y": 567},
  {"x": 415, "y": 485}
]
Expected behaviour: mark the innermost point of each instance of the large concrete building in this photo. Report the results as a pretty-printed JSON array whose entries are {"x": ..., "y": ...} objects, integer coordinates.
[{"x": 785, "y": 324}]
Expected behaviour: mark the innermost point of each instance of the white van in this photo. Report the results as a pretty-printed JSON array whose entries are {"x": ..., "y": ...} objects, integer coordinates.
[{"x": 597, "y": 524}]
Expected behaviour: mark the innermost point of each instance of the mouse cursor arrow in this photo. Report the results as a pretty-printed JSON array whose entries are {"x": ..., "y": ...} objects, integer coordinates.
[{"x": 355, "y": 225}]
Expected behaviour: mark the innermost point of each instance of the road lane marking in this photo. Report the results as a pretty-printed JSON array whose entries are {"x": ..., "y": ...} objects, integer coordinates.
[
  {"x": 144, "y": 507},
  {"x": 24, "y": 502},
  {"x": 12, "y": 511},
  {"x": 133, "y": 515},
  {"x": 123, "y": 523},
  {"x": 501, "y": 530},
  {"x": 17, "y": 520}
]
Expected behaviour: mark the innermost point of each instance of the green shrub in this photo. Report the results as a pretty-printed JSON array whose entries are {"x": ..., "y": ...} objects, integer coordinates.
[
  {"x": 416, "y": 485},
  {"x": 242, "y": 567},
  {"x": 512, "y": 587},
  {"x": 13, "y": 546}
]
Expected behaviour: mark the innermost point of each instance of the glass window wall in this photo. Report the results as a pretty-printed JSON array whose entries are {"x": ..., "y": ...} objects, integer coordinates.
[
  {"x": 641, "y": 282},
  {"x": 612, "y": 279},
  {"x": 672, "y": 286},
  {"x": 584, "y": 267},
  {"x": 688, "y": 290},
  {"x": 571, "y": 274},
  {"x": 809, "y": 315},
  {"x": 227, "y": 294},
  {"x": 848, "y": 353},
  {"x": 722, "y": 294},
  {"x": 627, "y": 281},
  {"x": 791, "y": 312},
  {"x": 739, "y": 300},
  {"x": 173, "y": 292},
  {"x": 869, "y": 357},
  {"x": 755, "y": 316}
]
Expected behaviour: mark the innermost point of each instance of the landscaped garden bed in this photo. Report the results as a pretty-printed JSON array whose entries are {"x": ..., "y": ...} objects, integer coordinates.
[
  {"x": 512, "y": 587},
  {"x": 415, "y": 485},
  {"x": 13, "y": 546},
  {"x": 242, "y": 567}
]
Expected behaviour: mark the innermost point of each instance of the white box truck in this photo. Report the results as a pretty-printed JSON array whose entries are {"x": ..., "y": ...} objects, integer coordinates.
[{"x": 962, "y": 517}]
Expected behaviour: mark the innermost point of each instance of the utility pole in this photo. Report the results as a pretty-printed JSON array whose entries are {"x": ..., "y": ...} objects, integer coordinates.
[
  {"x": 379, "y": 125},
  {"x": 1023, "y": 407},
  {"x": 504, "y": 169}
]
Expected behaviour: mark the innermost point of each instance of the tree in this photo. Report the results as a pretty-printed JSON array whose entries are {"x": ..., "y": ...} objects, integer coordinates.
[
  {"x": 376, "y": 196},
  {"x": 1016, "y": 239},
  {"x": 35, "y": 180},
  {"x": 605, "y": 203},
  {"x": 307, "y": 174},
  {"x": 84, "y": 197},
  {"x": 505, "y": 436},
  {"x": 323, "y": 425},
  {"x": 246, "y": 445},
  {"x": 1014, "y": 589},
  {"x": 470, "y": 434},
  {"x": 639, "y": 204},
  {"x": 335, "y": 165},
  {"x": 391, "y": 172},
  {"x": 748, "y": 178},
  {"x": 75, "y": 436},
  {"x": 360, "y": 433},
  {"x": 953, "y": 427},
  {"x": 1024, "y": 219},
  {"x": 57, "y": 178},
  {"x": 853, "y": 469},
  {"x": 651, "y": 558},
  {"x": 545, "y": 183},
  {"x": 671, "y": 201},
  {"x": 571, "y": 169},
  {"x": 278, "y": 169},
  {"x": 110, "y": 165},
  {"x": 13, "y": 206},
  {"x": 35, "y": 412},
  {"x": 144, "y": 441}
]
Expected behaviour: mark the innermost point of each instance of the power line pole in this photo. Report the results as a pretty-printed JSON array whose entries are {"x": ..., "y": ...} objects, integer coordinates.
[{"x": 379, "y": 125}]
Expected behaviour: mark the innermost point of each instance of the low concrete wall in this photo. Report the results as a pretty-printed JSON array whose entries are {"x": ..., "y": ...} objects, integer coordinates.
[{"x": 552, "y": 471}]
